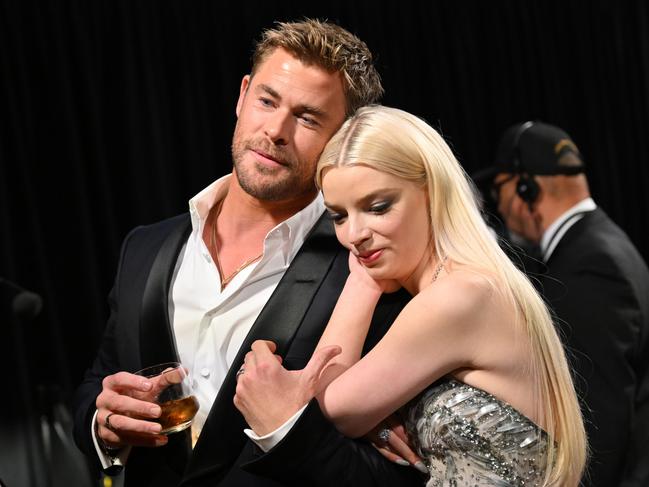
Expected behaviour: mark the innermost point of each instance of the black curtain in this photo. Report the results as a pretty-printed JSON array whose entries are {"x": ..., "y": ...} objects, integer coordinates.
[{"x": 113, "y": 113}]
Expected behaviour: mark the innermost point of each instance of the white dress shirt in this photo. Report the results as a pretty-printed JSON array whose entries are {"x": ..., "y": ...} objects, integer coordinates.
[{"x": 210, "y": 323}]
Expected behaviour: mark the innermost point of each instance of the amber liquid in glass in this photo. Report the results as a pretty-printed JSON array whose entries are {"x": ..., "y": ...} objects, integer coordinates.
[{"x": 177, "y": 414}]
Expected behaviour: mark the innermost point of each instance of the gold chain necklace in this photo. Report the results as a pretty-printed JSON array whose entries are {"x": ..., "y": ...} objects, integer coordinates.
[
  {"x": 438, "y": 269},
  {"x": 225, "y": 281}
]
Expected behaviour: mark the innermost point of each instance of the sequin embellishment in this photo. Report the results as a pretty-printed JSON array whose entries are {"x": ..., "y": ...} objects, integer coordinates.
[{"x": 467, "y": 437}]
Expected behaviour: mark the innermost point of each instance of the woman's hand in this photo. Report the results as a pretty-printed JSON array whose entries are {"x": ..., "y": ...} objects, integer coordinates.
[
  {"x": 391, "y": 440},
  {"x": 267, "y": 394},
  {"x": 360, "y": 272}
]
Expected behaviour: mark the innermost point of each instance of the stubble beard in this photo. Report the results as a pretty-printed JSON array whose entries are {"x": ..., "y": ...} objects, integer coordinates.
[{"x": 269, "y": 184}]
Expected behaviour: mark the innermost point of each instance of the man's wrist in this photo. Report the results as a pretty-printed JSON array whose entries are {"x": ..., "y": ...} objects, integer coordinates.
[{"x": 268, "y": 441}]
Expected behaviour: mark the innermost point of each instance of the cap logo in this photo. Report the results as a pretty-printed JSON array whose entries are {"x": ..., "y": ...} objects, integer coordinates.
[{"x": 563, "y": 143}]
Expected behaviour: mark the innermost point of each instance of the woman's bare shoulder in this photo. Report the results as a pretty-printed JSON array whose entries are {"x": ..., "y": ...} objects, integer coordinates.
[{"x": 460, "y": 291}]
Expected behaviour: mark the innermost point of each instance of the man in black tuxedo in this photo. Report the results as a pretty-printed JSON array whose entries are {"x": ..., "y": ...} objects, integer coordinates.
[
  {"x": 255, "y": 259},
  {"x": 597, "y": 284}
]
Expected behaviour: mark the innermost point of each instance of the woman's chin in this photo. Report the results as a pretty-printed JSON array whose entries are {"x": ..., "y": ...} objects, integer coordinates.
[{"x": 380, "y": 274}]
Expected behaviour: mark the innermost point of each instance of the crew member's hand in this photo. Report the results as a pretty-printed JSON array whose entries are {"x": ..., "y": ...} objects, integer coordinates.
[
  {"x": 128, "y": 400},
  {"x": 267, "y": 394},
  {"x": 391, "y": 440}
]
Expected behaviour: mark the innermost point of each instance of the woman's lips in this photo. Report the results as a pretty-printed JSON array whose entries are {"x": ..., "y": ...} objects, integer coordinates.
[{"x": 368, "y": 257}]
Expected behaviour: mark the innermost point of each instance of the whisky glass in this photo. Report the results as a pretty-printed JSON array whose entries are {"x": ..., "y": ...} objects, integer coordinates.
[{"x": 173, "y": 391}]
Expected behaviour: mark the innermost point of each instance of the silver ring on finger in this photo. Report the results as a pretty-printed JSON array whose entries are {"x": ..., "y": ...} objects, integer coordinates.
[
  {"x": 107, "y": 422},
  {"x": 384, "y": 435},
  {"x": 240, "y": 371}
]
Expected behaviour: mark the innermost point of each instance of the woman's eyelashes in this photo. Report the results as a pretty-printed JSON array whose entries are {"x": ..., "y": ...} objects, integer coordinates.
[
  {"x": 378, "y": 208},
  {"x": 335, "y": 216}
]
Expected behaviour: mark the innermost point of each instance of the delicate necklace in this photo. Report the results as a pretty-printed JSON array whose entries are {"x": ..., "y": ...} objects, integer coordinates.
[
  {"x": 226, "y": 280},
  {"x": 438, "y": 269}
]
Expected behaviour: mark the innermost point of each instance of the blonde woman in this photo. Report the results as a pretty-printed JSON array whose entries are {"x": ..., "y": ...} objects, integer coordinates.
[{"x": 473, "y": 363}]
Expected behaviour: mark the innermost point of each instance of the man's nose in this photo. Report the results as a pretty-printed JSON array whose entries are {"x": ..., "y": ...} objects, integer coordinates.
[{"x": 278, "y": 127}]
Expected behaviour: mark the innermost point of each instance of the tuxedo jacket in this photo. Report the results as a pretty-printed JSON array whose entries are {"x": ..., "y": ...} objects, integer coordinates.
[
  {"x": 598, "y": 286},
  {"x": 139, "y": 334}
]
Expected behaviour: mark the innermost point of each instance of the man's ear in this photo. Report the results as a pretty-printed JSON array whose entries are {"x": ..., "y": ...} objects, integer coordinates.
[{"x": 245, "y": 82}]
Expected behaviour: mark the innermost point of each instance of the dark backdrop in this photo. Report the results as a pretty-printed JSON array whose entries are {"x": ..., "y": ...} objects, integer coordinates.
[{"x": 114, "y": 113}]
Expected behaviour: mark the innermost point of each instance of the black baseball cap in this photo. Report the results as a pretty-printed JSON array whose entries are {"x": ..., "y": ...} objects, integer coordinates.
[{"x": 533, "y": 148}]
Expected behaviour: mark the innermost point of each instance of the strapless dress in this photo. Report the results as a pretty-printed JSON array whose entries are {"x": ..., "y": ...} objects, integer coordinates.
[{"x": 468, "y": 437}]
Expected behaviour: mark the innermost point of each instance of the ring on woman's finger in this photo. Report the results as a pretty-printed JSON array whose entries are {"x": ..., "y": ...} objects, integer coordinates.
[
  {"x": 107, "y": 422},
  {"x": 240, "y": 371},
  {"x": 384, "y": 435}
]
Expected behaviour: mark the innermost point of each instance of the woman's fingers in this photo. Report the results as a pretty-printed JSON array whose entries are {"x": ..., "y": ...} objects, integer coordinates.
[
  {"x": 391, "y": 440},
  {"x": 393, "y": 457},
  {"x": 402, "y": 449}
]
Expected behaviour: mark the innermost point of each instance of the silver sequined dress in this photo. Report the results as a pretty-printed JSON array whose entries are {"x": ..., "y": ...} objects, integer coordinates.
[{"x": 467, "y": 437}]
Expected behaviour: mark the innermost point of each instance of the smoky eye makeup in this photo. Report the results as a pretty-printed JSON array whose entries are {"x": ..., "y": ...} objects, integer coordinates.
[
  {"x": 381, "y": 206},
  {"x": 377, "y": 203},
  {"x": 382, "y": 202},
  {"x": 334, "y": 216}
]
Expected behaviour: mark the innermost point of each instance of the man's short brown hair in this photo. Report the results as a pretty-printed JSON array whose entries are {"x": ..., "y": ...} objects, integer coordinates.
[{"x": 330, "y": 47}]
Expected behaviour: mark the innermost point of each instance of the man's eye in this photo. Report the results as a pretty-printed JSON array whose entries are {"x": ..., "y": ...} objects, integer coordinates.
[
  {"x": 310, "y": 121},
  {"x": 266, "y": 102}
]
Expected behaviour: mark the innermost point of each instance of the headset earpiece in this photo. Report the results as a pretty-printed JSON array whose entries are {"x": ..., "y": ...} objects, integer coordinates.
[{"x": 528, "y": 189}]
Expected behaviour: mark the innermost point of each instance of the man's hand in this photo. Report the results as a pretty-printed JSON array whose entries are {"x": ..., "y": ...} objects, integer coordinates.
[
  {"x": 267, "y": 394},
  {"x": 129, "y": 401}
]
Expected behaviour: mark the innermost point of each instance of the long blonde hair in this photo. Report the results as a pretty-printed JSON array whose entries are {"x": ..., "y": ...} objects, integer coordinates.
[{"x": 400, "y": 144}]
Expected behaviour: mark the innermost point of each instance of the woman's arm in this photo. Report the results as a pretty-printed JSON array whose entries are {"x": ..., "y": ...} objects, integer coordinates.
[
  {"x": 441, "y": 330},
  {"x": 435, "y": 334},
  {"x": 350, "y": 321},
  {"x": 268, "y": 395}
]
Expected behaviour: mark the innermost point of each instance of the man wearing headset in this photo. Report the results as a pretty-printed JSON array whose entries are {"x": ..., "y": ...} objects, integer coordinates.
[{"x": 597, "y": 285}]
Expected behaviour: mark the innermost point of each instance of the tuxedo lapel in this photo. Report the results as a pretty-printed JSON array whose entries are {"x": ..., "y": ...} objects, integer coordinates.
[
  {"x": 157, "y": 346},
  {"x": 222, "y": 438},
  {"x": 156, "y": 336}
]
